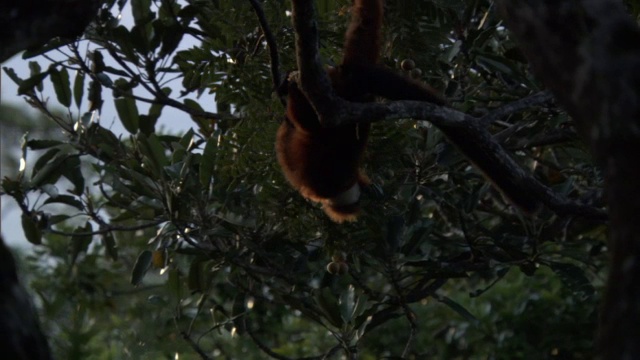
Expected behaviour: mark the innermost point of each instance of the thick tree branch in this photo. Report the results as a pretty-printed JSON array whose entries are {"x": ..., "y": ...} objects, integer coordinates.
[
  {"x": 587, "y": 52},
  {"x": 519, "y": 105},
  {"x": 333, "y": 111},
  {"x": 313, "y": 79}
]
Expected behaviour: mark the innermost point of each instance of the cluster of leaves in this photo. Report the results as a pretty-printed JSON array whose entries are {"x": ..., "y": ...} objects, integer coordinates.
[{"x": 219, "y": 247}]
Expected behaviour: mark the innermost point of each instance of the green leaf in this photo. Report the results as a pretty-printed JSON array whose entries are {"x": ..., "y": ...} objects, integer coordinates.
[
  {"x": 238, "y": 310},
  {"x": 361, "y": 305},
  {"x": 27, "y": 85},
  {"x": 171, "y": 38},
  {"x": 187, "y": 139},
  {"x": 147, "y": 125},
  {"x": 31, "y": 229},
  {"x": 42, "y": 144},
  {"x": 494, "y": 64},
  {"x": 35, "y": 70},
  {"x": 348, "y": 304},
  {"x": 78, "y": 88},
  {"x": 140, "y": 268},
  {"x": 196, "y": 279},
  {"x": 50, "y": 172},
  {"x": 80, "y": 241},
  {"x": 12, "y": 75},
  {"x": 461, "y": 310},
  {"x": 114, "y": 71},
  {"x": 140, "y": 36},
  {"x": 50, "y": 190},
  {"x": 573, "y": 277},
  {"x": 71, "y": 169},
  {"x": 395, "y": 230},
  {"x": 122, "y": 36},
  {"x": 67, "y": 200},
  {"x": 105, "y": 80},
  {"x": 61, "y": 85},
  {"x": 110, "y": 246},
  {"x": 55, "y": 219},
  {"x": 148, "y": 122},
  {"x": 175, "y": 282},
  {"x": 97, "y": 62},
  {"x": 203, "y": 123},
  {"x": 13, "y": 188},
  {"x": 141, "y": 11},
  {"x": 95, "y": 96},
  {"x": 154, "y": 152},
  {"x": 128, "y": 113},
  {"x": 207, "y": 162},
  {"x": 44, "y": 160},
  {"x": 329, "y": 306}
]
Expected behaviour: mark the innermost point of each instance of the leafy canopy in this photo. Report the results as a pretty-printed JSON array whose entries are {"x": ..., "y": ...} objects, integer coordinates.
[{"x": 152, "y": 243}]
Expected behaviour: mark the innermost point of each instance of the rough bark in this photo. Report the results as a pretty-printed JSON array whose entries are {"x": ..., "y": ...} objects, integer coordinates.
[
  {"x": 588, "y": 53},
  {"x": 21, "y": 337}
]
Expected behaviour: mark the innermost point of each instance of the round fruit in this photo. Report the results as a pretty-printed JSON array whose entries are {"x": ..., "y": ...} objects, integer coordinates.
[
  {"x": 333, "y": 268},
  {"x": 407, "y": 64}
]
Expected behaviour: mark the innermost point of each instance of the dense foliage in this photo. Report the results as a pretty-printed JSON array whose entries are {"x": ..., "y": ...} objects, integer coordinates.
[{"x": 152, "y": 244}]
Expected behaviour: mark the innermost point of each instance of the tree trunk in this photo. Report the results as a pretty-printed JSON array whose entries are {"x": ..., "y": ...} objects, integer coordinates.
[
  {"x": 26, "y": 24},
  {"x": 588, "y": 54}
]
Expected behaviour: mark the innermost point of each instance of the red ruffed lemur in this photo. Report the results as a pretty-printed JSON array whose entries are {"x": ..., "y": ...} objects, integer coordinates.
[{"x": 323, "y": 163}]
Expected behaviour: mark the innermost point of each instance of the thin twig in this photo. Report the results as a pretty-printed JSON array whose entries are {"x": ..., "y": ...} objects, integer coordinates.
[
  {"x": 264, "y": 348},
  {"x": 108, "y": 229},
  {"x": 160, "y": 99},
  {"x": 195, "y": 346},
  {"x": 408, "y": 313},
  {"x": 516, "y": 106}
]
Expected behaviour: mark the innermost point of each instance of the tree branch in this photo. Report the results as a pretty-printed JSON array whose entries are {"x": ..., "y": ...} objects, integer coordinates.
[
  {"x": 195, "y": 346},
  {"x": 272, "y": 44},
  {"x": 519, "y": 105},
  {"x": 335, "y": 111},
  {"x": 313, "y": 79}
]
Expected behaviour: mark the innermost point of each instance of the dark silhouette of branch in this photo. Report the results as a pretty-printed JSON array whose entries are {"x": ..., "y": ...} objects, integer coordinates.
[
  {"x": 195, "y": 346},
  {"x": 107, "y": 229},
  {"x": 408, "y": 313},
  {"x": 264, "y": 348},
  {"x": 394, "y": 304},
  {"x": 516, "y": 106},
  {"x": 558, "y": 136},
  {"x": 276, "y": 77}
]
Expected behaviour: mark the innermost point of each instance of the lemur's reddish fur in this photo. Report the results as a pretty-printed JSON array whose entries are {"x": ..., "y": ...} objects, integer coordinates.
[{"x": 323, "y": 164}]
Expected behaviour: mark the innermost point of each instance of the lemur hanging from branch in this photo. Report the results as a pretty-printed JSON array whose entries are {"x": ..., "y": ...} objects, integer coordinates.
[{"x": 323, "y": 163}]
